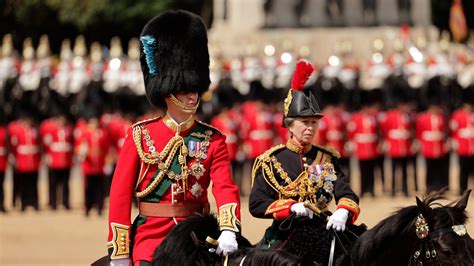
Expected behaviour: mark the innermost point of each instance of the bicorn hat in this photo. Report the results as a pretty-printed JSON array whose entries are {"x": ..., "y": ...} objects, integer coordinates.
[{"x": 301, "y": 102}]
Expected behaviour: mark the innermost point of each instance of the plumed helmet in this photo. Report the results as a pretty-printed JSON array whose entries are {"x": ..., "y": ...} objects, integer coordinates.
[
  {"x": 301, "y": 102},
  {"x": 174, "y": 55}
]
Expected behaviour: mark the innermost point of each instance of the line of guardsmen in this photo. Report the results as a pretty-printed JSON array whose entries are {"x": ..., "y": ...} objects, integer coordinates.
[
  {"x": 59, "y": 113},
  {"x": 77, "y": 109}
]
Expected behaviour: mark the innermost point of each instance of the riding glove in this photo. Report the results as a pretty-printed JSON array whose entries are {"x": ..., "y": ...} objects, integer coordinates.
[
  {"x": 338, "y": 220},
  {"x": 300, "y": 210},
  {"x": 227, "y": 242},
  {"x": 120, "y": 262}
]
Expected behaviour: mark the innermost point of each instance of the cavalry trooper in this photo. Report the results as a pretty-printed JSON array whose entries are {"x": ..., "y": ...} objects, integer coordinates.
[
  {"x": 9, "y": 68},
  {"x": 168, "y": 162},
  {"x": 298, "y": 177},
  {"x": 78, "y": 76},
  {"x": 45, "y": 64},
  {"x": 61, "y": 78},
  {"x": 30, "y": 74}
]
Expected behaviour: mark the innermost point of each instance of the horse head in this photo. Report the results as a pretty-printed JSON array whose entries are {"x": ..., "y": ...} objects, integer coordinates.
[
  {"x": 442, "y": 233},
  {"x": 427, "y": 233}
]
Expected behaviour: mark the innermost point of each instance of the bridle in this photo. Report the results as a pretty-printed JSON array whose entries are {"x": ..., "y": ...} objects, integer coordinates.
[{"x": 427, "y": 251}]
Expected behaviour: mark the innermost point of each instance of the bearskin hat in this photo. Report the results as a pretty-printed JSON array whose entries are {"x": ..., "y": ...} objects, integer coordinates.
[{"x": 174, "y": 55}]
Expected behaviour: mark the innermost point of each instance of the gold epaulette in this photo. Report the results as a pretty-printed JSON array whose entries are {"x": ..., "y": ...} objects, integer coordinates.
[
  {"x": 207, "y": 125},
  {"x": 264, "y": 157},
  {"x": 330, "y": 150},
  {"x": 146, "y": 121}
]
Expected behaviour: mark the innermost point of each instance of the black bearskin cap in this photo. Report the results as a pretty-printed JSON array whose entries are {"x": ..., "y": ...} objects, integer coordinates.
[{"x": 174, "y": 56}]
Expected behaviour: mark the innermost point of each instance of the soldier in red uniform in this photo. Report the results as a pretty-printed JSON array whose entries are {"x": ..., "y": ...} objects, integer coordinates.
[
  {"x": 57, "y": 138},
  {"x": 331, "y": 129},
  {"x": 397, "y": 131},
  {"x": 169, "y": 162},
  {"x": 25, "y": 148},
  {"x": 227, "y": 122},
  {"x": 3, "y": 156},
  {"x": 431, "y": 133},
  {"x": 462, "y": 133},
  {"x": 92, "y": 148},
  {"x": 256, "y": 129},
  {"x": 363, "y": 134}
]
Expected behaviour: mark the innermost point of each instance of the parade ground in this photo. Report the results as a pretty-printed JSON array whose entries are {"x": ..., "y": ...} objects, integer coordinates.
[{"x": 69, "y": 238}]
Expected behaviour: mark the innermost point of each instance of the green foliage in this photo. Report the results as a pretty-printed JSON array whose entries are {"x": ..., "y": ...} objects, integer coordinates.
[{"x": 87, "y": 13}]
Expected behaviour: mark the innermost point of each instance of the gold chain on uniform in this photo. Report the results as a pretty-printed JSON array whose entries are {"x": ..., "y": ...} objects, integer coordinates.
[
  {"x": 301, "y": 186},
  {"x": 168, "y": 152}
]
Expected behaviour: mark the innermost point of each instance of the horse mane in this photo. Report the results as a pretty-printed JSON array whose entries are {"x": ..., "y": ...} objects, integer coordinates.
[
  {"x": 189, "y": 237},
  {"x": 180, "y": 241},
  {"x": 260, "y": 257},
  {"x": 401, "y": 225}
]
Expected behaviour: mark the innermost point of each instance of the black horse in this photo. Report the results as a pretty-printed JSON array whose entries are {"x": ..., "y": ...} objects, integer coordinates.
[
  {"x": 191, "y": 243},
  {"x": 424, "y": 234}
]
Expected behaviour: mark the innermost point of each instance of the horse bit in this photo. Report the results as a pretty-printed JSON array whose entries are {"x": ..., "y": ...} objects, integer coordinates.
[{"x": 423, "y": 233}]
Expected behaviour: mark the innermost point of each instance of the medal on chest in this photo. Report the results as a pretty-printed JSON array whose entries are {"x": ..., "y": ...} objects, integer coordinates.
[{"x": 198, "y": 151}]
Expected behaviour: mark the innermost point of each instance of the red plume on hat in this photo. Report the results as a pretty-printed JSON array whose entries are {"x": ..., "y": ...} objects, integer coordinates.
[
  {"x": 302, "y": 73},
  {"x": 299, "y": 103}
]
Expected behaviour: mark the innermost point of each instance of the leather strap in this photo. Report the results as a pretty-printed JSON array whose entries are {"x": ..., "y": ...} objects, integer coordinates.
[{"x": 182, "y": 209}]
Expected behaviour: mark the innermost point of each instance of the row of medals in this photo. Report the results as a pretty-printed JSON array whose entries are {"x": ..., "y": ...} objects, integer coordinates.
[{"x": 196, "y": 150}]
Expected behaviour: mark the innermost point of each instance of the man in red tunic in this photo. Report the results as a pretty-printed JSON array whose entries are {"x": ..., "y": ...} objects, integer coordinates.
[
  {"x": 462, "y": 133},
  {"x": 168, "y": 162},
  {"x": 56, "y": 135},
  {"x": 3, "y": 157}
]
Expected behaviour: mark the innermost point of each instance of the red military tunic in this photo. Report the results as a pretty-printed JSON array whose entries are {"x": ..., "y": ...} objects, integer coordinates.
[
  {"x": 135, "y": 174},
  {"x": 227, "y": 124},
  {"x": 396, "y": 131},
  {"x": 93, "y": 145},
  {"x": 331, "y": 132},
  {"x": 462, "y": 132},
  {"x": 282, "y": 133},
  {"x": 362, "y": 132},
  {"x": 430, "y": 132},
  {"x": 3, "y": 149},
  {"x": 257, "y": 129},
  {"x": 24, "y": 146},
  {"x": 118, "y": 127},
  {"x": 57, "y": 142}
]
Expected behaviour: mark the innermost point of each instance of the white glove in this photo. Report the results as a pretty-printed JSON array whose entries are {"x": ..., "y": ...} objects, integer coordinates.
[
  {"x": 301, "y": 210},
  {"x": 338, "y": 220},
  {"x": 227, "y": 242},
  {"x": 121, "y": 262}
]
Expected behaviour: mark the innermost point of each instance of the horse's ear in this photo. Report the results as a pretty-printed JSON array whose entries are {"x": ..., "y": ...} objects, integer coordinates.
[
  {"x": 462, "y": 203},
  {"x": 424, "y": 209}
]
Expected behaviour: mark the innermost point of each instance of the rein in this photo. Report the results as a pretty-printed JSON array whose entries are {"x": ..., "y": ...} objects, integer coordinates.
[{"x": 427, "y": 248}]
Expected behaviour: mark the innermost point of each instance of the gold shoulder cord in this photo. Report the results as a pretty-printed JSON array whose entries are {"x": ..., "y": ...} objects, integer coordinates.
[
  {"x": 168, "y": 153},
  {"x": 263, "y": 157},
  {"x": 301, "y": 186}
]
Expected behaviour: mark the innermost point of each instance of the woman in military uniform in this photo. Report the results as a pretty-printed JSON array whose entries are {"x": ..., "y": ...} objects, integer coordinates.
[
  {"x": 299, "y": 178},
  {"x": 168, "y": 162}
]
